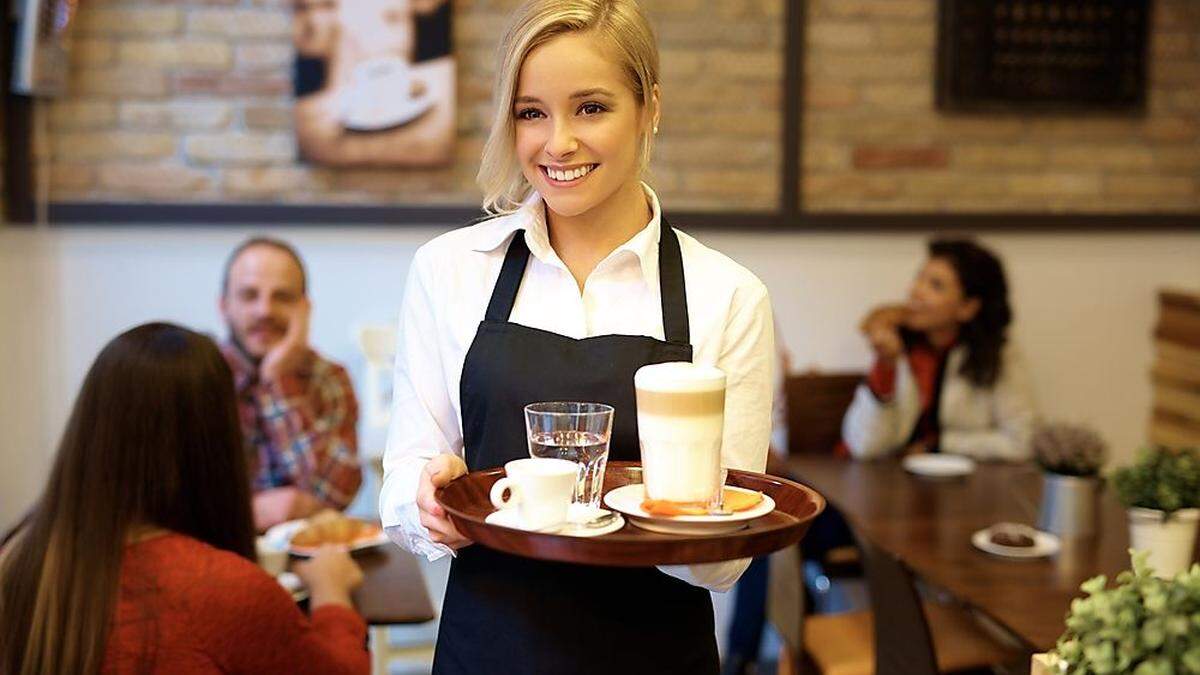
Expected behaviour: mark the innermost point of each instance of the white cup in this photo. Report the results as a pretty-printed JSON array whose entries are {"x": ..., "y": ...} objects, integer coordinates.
[
  {"x": 273, "y": 560},
  {"x": 681, "y": 421},
  {"x": 540, "y": 488}
]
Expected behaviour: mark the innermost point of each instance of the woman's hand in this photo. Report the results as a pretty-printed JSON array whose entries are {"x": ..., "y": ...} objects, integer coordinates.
[
  {"x": 881, "y": 327},
  {"x": 330, "y": 575},
  {"x": 437, "y": 472}
]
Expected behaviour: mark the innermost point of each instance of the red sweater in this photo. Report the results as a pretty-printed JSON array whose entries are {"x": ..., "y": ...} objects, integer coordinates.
[{"x": 193, "y": 608}]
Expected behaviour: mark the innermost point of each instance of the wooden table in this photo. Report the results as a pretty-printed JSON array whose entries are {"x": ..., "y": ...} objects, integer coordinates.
[
  {"x": 927, "y": 524},
  {"x": 393, "y": 589}
]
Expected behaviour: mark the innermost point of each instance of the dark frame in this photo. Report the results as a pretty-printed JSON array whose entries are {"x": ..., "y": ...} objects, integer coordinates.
[
  {"x": 789, "y": 216},
  {"x": 949, "y": 69}
]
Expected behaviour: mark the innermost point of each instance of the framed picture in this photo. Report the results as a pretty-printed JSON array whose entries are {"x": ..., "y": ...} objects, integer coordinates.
[
  {"x": 1042, "y": 54},
  {"x": 374, "y": 82}
]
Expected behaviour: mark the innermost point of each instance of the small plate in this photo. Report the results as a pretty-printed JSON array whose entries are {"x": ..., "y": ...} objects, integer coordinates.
[
  {"x": 572, "y": 528},
  {"x": 1044, "y": 543},
  {"x": 280, "y": 537},
  {"x": 938, "y": 465},
  {"x": 628, "y": 500}
]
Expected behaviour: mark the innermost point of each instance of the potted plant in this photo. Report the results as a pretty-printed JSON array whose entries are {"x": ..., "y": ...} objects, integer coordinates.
[
  {"x": 1070, "y": 456},
  {"x": 1161, "y": 491},
  {"x": 1144, "y": 625}
]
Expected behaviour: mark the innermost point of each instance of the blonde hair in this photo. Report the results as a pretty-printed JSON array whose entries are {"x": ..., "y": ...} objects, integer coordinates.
[{"x": 620, "y": 23}]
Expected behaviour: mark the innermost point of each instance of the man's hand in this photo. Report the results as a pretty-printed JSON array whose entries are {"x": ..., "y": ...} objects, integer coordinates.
[
  {"x": 437, "y": 472},
  {"x": 279, "y": 505},
  {"x": 287, "y": 356}
]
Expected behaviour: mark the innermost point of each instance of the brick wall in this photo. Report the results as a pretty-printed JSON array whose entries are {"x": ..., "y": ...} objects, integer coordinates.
[
  {"x": 188, "y": 100},
  {"x": 177, "y": 100},
  {"x": 874, "y": 142}
]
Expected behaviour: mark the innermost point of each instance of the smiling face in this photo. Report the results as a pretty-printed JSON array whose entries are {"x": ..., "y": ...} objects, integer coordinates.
[
  {"x": 578, "y": 124},
  {"x": 936, "y": 300}
]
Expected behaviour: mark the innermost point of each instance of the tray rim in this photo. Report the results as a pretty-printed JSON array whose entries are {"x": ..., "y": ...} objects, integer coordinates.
[{"x": 636, "y": 550}]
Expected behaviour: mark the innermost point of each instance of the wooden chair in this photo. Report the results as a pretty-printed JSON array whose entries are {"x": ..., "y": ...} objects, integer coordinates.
[
  {"x": 816, "y": 403},
  {"x": 900, "y": 636}
]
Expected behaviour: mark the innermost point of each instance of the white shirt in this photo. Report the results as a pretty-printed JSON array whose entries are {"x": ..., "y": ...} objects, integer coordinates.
[
  {"x": 988, "y": 423},
  {"x": 446, "y": 296}
]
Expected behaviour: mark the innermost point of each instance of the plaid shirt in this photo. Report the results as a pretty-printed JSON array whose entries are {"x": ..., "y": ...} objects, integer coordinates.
[{"x": 301, "y": 430}]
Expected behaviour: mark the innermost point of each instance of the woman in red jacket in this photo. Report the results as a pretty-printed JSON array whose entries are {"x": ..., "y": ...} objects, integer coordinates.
[{"x": 139, "y": 555}]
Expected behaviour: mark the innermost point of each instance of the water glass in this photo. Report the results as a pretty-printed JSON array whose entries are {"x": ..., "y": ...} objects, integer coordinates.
[{"x": 574, "y": 431}]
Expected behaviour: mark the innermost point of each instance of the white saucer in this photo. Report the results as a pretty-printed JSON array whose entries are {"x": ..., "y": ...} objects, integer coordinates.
[
  {"x": 938, "y": 465},
  {"x": 571, "y": 528},
  {"x": 1044, "y": 543},
  {"x": 628, "y": 500},
  {"x": 396, "y": 114}
]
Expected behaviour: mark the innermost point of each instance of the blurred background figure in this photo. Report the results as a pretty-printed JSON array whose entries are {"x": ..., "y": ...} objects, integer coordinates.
[
  {"x": 945, "y": 376},
  {"x": 139, "y": 554},
  {"x": 298, "y": 410}
]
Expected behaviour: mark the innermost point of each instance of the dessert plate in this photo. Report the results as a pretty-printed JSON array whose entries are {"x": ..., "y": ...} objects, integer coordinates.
[
  {"x": 1044, "y": 543},
  {"x": 628, "y": 500}
]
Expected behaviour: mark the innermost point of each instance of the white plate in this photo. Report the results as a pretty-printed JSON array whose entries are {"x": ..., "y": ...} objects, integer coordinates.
[
  {"x": 396, "y": 114},
  {"x": 1044, "y": 543},
  {"x": 280, "y": 537},
  {"x": 578, "y": 514},
  {"x": 938, "y": 465},
  {"x": 628, "y": 500}
]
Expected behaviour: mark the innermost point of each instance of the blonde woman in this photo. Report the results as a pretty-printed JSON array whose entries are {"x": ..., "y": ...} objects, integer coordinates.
[{"x": 575, "y": 283}]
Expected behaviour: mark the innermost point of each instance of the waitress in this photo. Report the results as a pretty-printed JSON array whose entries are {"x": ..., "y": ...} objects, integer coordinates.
[{"x": 575, "y": 283}]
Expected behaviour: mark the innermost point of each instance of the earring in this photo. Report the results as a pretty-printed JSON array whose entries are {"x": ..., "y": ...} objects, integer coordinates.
[{"x": 656, "y": 129}]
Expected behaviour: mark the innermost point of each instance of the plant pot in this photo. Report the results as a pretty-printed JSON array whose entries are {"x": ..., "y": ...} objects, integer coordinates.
[
  {"x": 1069, "y": 505},
  {"x": 1170, "y": 542}
]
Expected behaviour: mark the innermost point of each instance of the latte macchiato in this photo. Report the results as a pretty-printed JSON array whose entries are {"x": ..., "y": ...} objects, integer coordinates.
[{"x": 681, "y": 417}]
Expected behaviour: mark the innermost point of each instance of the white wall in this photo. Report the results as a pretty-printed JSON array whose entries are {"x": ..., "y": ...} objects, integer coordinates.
[{"x": 1085, "y": 308}]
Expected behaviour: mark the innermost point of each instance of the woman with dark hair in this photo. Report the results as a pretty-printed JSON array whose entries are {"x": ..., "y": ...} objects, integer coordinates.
[
  {"x": 945, "y": 378},
  {"x": 139, "y": 555}
]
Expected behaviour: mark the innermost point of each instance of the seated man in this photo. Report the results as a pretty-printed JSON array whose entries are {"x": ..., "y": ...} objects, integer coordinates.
[{"x": 298, "y": 410}]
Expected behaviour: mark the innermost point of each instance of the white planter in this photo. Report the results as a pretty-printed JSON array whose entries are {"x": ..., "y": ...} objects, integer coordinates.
[{"x": 1169, "y": 542}]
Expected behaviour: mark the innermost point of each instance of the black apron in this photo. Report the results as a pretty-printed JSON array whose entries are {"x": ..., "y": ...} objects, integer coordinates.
[{"x": 507, "y": 614}]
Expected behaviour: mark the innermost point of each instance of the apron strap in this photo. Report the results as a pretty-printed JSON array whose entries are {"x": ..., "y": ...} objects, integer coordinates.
[
  {"x": 672, "y": 287},
  {"x": 504, "y": 295},
  {"x": 670, "y": 280}
]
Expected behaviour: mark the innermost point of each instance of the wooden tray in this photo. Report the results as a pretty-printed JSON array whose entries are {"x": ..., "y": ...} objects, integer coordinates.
[{"x": 466, "y": 502}]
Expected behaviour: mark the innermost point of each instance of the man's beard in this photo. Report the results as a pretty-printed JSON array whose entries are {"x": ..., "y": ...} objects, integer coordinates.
[{"x": 237, "y": 343}]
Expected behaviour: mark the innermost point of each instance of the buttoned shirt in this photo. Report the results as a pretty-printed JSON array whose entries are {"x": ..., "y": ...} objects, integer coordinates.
[
  {"x": 445, "y": 298},
  {"x": 301, "y": 429}
]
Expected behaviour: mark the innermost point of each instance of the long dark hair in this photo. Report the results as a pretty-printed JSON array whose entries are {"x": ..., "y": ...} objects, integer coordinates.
[
  {"x": 153, "y": 440},
  {"x": 982, "y": 277}
]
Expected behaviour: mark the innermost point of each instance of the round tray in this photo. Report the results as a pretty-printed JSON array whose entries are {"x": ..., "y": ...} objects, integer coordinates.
[{"x": 466, "y": 502}]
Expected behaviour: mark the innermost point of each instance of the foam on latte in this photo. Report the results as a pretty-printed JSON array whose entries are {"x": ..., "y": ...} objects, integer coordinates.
[{"x": 681, "y": 414}]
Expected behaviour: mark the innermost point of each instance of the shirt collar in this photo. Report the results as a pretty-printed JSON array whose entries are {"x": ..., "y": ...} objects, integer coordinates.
[{"x": 531, "y": 217}]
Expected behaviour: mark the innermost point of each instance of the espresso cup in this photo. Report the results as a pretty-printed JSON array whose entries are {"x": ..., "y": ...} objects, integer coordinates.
[
  {"x": 539, "y": 488},
  {"x": 681, "y": 419}
]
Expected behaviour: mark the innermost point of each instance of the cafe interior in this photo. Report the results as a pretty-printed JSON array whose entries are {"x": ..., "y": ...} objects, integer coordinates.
[{"x": 1040, "y": 159}]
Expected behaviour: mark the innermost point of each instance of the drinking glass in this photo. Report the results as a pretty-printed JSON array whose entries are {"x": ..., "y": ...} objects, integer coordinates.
[{"x": 574, "y": 431}]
